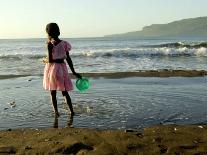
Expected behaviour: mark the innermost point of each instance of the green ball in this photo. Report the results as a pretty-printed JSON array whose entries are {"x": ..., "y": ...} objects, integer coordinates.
[{"x": 82, "y": 84}]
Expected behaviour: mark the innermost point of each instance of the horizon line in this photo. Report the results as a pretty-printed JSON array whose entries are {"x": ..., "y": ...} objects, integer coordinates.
[{"x": 46, "y": 38}]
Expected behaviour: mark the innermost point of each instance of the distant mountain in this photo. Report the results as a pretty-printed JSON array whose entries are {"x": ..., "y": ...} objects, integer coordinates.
[{"x": 192, "y": 27}]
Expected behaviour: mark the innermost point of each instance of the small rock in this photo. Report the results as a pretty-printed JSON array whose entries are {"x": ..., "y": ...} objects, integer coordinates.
[
  {"x": 163, "y": 148},
  {"x": 198, "y": 141},
  {"x": 8, "y": 150},
  {"x": 56, "y": 143},
  {"x": 47, "y": 140},
  {"x": 12, "y": 104},
  {"x": 140, "y": 135},
  {"x": 200, "y": 127},
  {"x": 129, "y": 130},
  {"x": 188, "y": 147},
  {"x": 28, "y": 147},
  {"x": 195, "y": 141},
  {"x": 158, "y": 139}
]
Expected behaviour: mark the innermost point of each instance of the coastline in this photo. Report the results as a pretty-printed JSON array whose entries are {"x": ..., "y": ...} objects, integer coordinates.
[
  {"x": 152, "y": 140},
  {"x": 127, "y": 74},
  {"x": 161, "y": 139},
  {"x": 149, "y": 73}
]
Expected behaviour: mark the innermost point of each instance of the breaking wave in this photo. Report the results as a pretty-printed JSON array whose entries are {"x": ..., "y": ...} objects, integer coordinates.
[
  {"x": 181, "y": 45},
  {"x": 20, "y": 56},
  {"x": 145, "y": 52},
  {"x": 177, "y": 49}
]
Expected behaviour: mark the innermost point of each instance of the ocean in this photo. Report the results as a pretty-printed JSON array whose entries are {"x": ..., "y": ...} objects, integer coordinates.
[
  {"x": 23, "y": 57},
  {"x": 115, "y": 103}
]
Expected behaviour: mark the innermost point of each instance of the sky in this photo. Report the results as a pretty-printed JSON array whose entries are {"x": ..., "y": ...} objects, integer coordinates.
[{"x": 91, "y": 18}]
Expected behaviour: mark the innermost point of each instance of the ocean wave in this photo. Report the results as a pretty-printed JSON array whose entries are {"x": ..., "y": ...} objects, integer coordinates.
[
  {"x": 18, "y": 57},
  {"x": 130, "y": 53},
  {"x": 181, "y": 45},
  {"x": 144, "y": 52}
]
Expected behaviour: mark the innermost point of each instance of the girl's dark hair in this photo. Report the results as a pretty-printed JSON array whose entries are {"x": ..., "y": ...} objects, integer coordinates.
[{"x": 53, "y": 30}]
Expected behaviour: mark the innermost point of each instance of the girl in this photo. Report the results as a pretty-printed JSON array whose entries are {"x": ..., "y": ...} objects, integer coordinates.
[{"x": 56, "y": 77}]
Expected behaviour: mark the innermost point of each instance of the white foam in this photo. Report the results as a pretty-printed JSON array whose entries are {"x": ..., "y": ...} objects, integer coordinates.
[{"x": 201, "y": 52}]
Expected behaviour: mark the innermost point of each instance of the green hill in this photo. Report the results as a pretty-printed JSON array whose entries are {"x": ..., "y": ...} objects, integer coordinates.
[{"x": 192, "y": 27}]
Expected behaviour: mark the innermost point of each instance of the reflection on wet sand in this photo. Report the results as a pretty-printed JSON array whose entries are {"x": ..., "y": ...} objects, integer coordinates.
[{"x": 69, "y": 122}]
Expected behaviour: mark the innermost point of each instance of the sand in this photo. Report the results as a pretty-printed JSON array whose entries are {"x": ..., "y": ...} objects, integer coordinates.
[
  {"x": 149, "y": 73},
  {"x": 169, "y": 139},
  {"x": 138, "y": 73}
]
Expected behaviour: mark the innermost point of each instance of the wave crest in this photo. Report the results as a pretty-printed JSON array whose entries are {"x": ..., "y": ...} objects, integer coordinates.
[
  {"x": 181, "y": 45},
  {"x": 18, "y": 57},
  {"x": 144, "y": 52},
  {"x": 177, "y": 49}
]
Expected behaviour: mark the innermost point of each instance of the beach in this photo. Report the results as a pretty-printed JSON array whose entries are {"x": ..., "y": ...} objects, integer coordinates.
[
  {"x": 146, "y": 97},
  {"x": 149, "y": 120},
  {"x": 114, "y": 101},
  {"x": 170, "y": 139}
]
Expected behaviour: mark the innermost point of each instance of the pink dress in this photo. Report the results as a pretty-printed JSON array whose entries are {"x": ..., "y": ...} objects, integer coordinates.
[{"x": 56, "y": 75}]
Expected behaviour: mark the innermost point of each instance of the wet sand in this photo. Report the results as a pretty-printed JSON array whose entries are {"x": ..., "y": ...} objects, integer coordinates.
[
  {"x": 139, "y": 73},
  {"x": 154, "y": 140},
  {"x": 171, "y": 139},
  {"x": 149, "y": 73}
]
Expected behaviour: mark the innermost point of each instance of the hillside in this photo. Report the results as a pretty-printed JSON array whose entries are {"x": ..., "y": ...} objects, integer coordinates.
[{"x": 192, "y": 27}]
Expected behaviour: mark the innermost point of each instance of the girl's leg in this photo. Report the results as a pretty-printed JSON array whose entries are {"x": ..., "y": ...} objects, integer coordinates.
[
  {"x": 54, "y": 102},
  {"x": 68, "y": 101},
  {"x": 55, "y": 124}
]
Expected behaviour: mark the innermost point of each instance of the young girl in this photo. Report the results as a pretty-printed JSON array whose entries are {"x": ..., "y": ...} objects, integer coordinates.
[{"x": 56, "y": 77}]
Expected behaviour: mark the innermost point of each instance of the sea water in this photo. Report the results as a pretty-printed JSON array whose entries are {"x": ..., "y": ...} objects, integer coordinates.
[
  {"x": 24, "y": 57},
  {"x": 110, "y": 103}
]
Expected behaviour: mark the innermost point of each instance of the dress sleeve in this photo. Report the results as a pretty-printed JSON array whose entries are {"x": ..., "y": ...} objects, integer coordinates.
[{"x": 67, "y": 46}]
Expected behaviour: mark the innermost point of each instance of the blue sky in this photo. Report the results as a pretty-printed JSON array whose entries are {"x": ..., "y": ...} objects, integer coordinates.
[{"x": 90, "y": 18}]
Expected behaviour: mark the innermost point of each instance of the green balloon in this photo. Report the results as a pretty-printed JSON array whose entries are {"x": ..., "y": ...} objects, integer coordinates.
[{"x": 82, "y": 84}]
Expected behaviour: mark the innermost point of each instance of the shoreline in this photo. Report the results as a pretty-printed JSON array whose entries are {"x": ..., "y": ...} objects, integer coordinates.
[
  {"x": 160, "y": 139},
  {"x": 118, "y": 75},
  {"x": 149, "y": 73},
  {"x": 108, "y": 104},
  {"x": 152, "y": 140}
]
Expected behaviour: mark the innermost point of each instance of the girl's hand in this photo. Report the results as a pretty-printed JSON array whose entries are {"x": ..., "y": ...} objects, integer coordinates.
[
  {"x": 45, "y": 60},
  {"x": 78, "y": 75}
]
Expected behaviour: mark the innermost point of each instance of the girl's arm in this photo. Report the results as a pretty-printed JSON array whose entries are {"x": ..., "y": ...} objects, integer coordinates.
[
  {"x": 49, "y": 48},
  {"x": 70, "y": 63}
]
